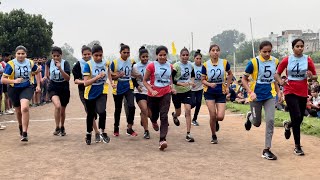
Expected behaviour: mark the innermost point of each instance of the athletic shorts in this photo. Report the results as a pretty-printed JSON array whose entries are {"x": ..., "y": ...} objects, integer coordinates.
[
  {"x": 1, "y": 89},
  {"x": 184, "y": 98},
  {"x": 140, "y": 97},
  {"x": 16, "y": 94},
  {"x": 62, "y": 92},
  {"x": 218, "y": 98}
]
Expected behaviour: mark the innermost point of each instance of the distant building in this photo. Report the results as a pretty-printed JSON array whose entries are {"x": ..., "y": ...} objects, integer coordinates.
[{"x": 282, "y": 43}]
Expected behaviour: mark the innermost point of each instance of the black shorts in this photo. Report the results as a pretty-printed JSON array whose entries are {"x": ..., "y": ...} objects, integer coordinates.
[
  {"x": 62, "y": 92},
  {"x": 4, "y": 88},
  {"x": 1, "y": 89},
  {"x": 16, "y": 94},
  {"x": 140, "y": 97},
  {"x": 218, "y": 98},
  {"x": 179, "y": 98}
]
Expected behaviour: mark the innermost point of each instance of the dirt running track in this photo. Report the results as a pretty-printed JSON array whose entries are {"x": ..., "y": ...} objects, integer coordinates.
[{"x": 237, "y": 156}]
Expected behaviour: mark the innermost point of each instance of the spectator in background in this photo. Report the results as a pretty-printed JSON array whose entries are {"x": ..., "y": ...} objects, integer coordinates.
[
  {"x": 8, "y": 110},
  {"x": 314, "y": 104},
  {"x": 44, "y": 83}
]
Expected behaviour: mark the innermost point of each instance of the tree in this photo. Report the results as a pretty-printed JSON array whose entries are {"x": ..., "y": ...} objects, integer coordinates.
[
  {"x": 244, "y": 52},
  {"x": 316, "y": 57},
  {"x": 67, "y": 54},
  {"x": 32, "y": 31},
  {"x": 227, "y": 41},
  {"x": 93, "y": 42}
]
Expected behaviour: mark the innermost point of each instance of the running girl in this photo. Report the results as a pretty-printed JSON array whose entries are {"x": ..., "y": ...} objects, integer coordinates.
[
  {"x": 298, "y": 67},
  {"x": 197, "y": 90},
  {"x": 262, "y": 92},
  {"x": 121, "y": 70},
  {"x": 159, "y": 92},
  {"x": 95, "y": 79},
  {"x": 77, "y": 72},
  {"x": 183, "y": 80},
  {"x": 18, "y": 74},
  {"x": 58, "y": 71},
  {"x": 141, "y": 90},
  {"x": 214, "y": 73}
]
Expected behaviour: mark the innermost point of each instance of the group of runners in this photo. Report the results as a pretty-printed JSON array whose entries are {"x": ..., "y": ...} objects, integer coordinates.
[{"x": 154, "y": 83}]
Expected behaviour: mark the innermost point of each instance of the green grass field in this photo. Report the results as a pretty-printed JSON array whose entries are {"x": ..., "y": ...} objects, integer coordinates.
[{"x": 310, "y": 126}]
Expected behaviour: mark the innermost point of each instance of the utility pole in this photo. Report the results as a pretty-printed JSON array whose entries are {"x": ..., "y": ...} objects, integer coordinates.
[
  {"x": 253, "y": 54},
  {"x": 191, "y": 41}
]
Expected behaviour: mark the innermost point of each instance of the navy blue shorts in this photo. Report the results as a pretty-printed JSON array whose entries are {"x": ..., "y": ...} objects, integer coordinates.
[
  {"x": 140, "y": 97},
  {"x": 16, "y": 94},
  {"x": 181, "y": 98},
  {"x": 218, "y": 98}
]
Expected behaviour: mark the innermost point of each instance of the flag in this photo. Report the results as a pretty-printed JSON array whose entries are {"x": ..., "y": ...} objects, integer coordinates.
[{"x": 174, "y": 51}]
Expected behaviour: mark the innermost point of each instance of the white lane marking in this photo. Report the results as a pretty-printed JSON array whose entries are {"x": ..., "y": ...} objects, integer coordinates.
[{"x": 108, "y": 117}]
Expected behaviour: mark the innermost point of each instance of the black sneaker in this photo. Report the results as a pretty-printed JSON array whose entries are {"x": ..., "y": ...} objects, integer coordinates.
[
  {"x": 130, "y": 132},
  {"x": 105, "y": 138},
  {"x": 155, "y": 126},
  {"x": 267, "y": 154},
  {"x": 146, "y": 135},
  {"x": 98, "y": 138},
  {"x": 24, "y": 137},
  {"x": 287, "y": 132},
  {"x": 214, "y": 139},
  {"x": 116, "y": 131},
  {"x": 217, "y": 126},
  {"x": 62, "y": 131},
  {"x": 195, "y": 123},
  {"x": 298, "y": 151},
  {"x": 88, "y": 138},
  {"x": 20, "y": 130},
  {"x": 56, "y": 131},
  {"x": 248, "y": 123},
  {"x": 175, "y": 120},
  {"x": 189, "y": 138}
]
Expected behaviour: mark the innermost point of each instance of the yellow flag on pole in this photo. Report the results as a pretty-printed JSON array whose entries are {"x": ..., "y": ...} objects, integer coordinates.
[{"x": 174, "y": 51}]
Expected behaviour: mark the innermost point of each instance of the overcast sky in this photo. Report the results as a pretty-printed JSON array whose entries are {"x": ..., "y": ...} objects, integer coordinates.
[{"x": 137, "y": 22}]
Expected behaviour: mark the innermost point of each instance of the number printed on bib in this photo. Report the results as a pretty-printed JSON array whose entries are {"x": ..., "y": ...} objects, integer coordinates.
[
  {"x": 215, "y": 73},
  {"x": 267, "y": 69},
  {"x": 297, "y": 67},
  {"x": 22, "y": 70},
  {"x": 162, "y": 74}
]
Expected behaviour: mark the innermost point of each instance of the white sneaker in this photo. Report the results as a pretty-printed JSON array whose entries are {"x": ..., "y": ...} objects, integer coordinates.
[
  {"x": 8, "y": 112},
  {"x": 2, "y": 127}
]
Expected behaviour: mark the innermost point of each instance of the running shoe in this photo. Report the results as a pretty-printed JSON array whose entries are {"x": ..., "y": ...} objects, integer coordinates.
[
  {"x": 267, "y": 154},
  {"x": 163, "y": 145},
  {"x": 105, "y": 138},
  {"x": 130, "y": 132},
  {"x": 24, "y": 137},
  {"x": 287, "y": 132},
  {"x": 217, "y": 126},
  {"x": 56, "y": 131},
  {"x": 2, "y": 127},
  {"x": 146, "y": 135},
  {"x": 195, "y": 123},
  {"x": 155, "y": 126},
  {"x": 214, "y": 139},
  {"x": 248, "y": 123},
  {"x": 298, "y": 151},
  {"x": 116, "y": 131},
  {"x": 189, "y": 138},
  {"x": 8, "y": 112},
  {"x": 98, "y": 138},
  {"x": 175, "y": 120},
  {"x": 88, "y": 138},
  {"x": 62, "y": 131}
]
